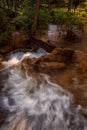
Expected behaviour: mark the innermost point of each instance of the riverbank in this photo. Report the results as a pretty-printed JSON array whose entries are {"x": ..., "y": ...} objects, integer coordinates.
[{"x": 52, "y": 37}]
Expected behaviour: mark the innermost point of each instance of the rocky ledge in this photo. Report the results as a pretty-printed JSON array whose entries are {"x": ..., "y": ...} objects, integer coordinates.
[{"x": 58, "y": 59}]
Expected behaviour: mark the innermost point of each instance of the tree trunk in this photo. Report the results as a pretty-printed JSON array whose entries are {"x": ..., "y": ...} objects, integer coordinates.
[
  {"x": 8, "y": 4},
  {"x": 11, "y": 4},
  {"x": 3, "y": 3},
  {"x": 34, "y": 26},
  {"x": 49, "y": 5},
  {"x": 69, "y": 5}
]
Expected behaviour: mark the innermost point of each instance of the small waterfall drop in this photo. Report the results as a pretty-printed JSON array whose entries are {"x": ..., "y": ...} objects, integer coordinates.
[{"x": 17, "y": 57}]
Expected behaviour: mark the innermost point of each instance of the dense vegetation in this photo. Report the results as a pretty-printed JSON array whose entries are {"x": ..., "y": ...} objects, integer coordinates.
[{"x": 34, "y": 15}]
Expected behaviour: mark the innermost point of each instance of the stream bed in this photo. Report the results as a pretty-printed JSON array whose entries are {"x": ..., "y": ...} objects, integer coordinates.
[{"x": 32, "y": 101}]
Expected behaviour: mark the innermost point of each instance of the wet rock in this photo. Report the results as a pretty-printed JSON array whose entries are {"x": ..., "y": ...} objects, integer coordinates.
[
  {"x": 63, "y": 55},
  {"x": 29, "y": 61},
  {"x": 81, "y": 60},
  {"x": 26, "y": 61},
  {"x": 58, "y": 59},
  {"x": 80, "y": 57},
  {"x": 1, "y": 58},
  {"x": 81, "y": 67},
  {"x": 28, "y": 65},
  {"x": 50, "y": 66},
  {"x": 1, "y": 66}
]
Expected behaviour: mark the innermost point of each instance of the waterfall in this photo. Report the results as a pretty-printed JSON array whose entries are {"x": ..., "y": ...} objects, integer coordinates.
[{"x": 34, "y": 102}]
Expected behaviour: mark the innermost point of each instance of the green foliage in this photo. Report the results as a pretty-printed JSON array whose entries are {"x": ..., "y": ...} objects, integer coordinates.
[
  {"x": 8, "y": 33},
  {"x": 25, "y": 17},
  {"x": 43, "y": 19},
  {"x": 5, "y": 26},
  {"x": 3, "y": 20},
  {"x": 25, "y": 22},
  {"x": 58, "y": 17},
  {"x": 68, "y": 21},
  {"x": 83, "y": 5},
  {"x": 76, "y": 3}
]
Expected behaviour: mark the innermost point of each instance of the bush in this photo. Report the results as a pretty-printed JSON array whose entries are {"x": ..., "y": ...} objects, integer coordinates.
[
  {"x": 68, "y": 22},
  {"x": 3, "y": 21},
  {"x": 25, "y": 18},
  {"x": 43, "y": 19},
  {"x": 6, "y": 28},
  {"x": 83, "y": 5}
]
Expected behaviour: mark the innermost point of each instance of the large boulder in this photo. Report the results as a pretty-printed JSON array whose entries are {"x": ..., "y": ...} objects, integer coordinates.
[
  {"x": 57, "y": 60},
  {"x": 58, "y": 55},
  {"x": 65, "y": 55}
]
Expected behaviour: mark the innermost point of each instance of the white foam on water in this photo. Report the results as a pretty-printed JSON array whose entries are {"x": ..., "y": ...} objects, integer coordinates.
[
  {"x": 10, "y": 62},
  {"x": 14, "y": 59},
  {"x": 36, "y": 103}
]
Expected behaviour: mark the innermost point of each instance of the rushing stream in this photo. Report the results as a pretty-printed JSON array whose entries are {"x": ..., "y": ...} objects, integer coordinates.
[{"x": 33, "y": 102}]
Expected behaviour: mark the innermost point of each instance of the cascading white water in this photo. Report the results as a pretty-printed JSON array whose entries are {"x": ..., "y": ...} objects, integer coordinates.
[
  {"x": 35, "y": 103},
  {"x": 17, "y": 57}
]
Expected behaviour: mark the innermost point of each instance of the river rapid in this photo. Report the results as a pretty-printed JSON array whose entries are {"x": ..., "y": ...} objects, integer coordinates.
[{"x": 33, "y": 102}]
